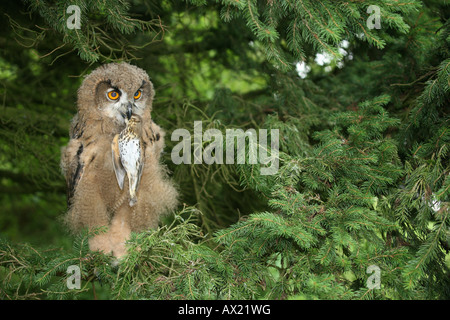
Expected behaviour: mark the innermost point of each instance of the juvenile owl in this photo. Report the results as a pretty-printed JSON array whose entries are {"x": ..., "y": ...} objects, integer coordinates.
[
  {"x": 128, "y": 156},
  {"x": 109, "y": 96}
]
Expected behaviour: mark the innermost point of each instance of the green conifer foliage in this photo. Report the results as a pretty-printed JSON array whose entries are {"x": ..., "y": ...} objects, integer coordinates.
[{"x": 358, "y": 207}]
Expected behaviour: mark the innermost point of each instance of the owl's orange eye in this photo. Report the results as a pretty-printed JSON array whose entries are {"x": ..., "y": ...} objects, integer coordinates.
[
  {"x": 113, "y": 95},
  {"x": 137, "y": 95}
]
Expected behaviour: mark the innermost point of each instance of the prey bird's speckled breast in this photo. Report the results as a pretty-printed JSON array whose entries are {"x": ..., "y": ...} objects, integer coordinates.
[{"x": 130, "y": 151}]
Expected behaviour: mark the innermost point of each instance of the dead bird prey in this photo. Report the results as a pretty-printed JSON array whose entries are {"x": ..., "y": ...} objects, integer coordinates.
[{"x": 128, "y": 156}]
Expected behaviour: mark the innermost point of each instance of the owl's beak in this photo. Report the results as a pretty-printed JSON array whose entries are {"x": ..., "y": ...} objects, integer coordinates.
[{"x": 129, "y": 110}]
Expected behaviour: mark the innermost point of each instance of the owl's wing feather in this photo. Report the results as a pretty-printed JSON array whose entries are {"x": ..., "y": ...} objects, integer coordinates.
[
  {"x": 74, "y": 171},
  {"x": 117, "y": 163}
]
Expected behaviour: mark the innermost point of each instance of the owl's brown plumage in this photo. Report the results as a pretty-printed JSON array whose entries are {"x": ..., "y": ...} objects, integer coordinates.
[{"x": 107, "y": 96}]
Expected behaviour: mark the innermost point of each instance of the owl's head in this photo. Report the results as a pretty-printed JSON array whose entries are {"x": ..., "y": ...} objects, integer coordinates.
[{"x": 115, "y": 92}]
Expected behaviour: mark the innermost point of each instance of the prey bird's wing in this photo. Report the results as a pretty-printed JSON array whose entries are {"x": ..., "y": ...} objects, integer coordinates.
[
  {"x": 74, "y": 170},
  {"x": 117, "y": 163},
  {"x": 141, "y": 164}
]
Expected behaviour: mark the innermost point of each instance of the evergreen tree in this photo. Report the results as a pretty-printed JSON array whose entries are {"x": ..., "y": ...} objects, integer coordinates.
[{"x": 359, "y": 206}]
